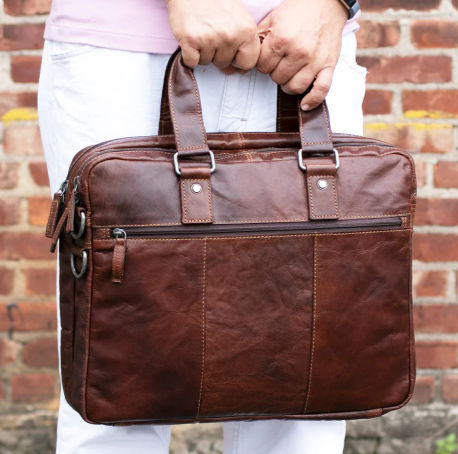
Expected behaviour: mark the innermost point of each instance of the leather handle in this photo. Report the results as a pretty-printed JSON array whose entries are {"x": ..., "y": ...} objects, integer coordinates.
[{"x": 181, "y": 114}]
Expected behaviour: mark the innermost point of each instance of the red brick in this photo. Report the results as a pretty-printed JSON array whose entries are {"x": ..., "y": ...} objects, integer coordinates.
[
  {"x": 25, "y": 68},
  {"x": 23, "y": 140},
  {"x": 434, "y": 34},
  {"x": 8, "y": 175},
  {"x": 436, "y": 354},
  {"x": 450, "y": 389},
  {"x": 435, "y": 318},
  {"x": 432, "y": 247},
  {"x": 27, "y": 7},
  {"x": 416, "y": 5},
  {"x": 21, "y": 36},
  {"x": 39, "y": 210},
  {"x": 39, "y": 316},
  {"x": 436, "y": 212},
  {"x": 41, "y": 281},
  {"x": 24, "y": 245},
  {"x": 425, "y": 390},
  {"x": 377, "y": 34},
  {"x": 7, "y": 352},
  {"x": 41, "y": 353},
  {"x": 420, "y": 171},
  {"x": 430, "y": 283},
  {"x": 6, "y": 281},
  {"x": 31, "y": 388},
  {"x": 39, "y": 173},
  {"x": 10, "y": 101},
  {"x": 10, "y": 211},
  {"x": 414, "y": 137},
  {"x": 446, "y": 175},
  {"x": 430, "y": 103},
  {"x": 2, "y": 391},
  {"x": 377, "y": 102},
  {"x": 416, "y": 68}
]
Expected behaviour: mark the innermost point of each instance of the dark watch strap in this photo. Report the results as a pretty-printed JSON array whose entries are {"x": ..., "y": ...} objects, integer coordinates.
[{"x": 352, "y": 7}]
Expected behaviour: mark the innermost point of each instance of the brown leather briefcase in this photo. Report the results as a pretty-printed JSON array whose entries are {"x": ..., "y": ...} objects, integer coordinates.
[{"x": 221, "y": 277}]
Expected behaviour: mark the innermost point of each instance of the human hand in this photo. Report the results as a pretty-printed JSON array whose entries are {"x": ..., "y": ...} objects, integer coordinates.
[
  {"x": 301, "y": 41},
  {"x": 221, "y": 32}
]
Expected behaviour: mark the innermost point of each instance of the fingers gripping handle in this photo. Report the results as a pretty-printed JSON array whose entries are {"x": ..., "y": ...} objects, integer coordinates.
[{"x": 181, "y": 114}]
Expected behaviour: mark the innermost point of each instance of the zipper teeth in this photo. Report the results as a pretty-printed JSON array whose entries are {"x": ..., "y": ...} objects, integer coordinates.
[
  {"x": 258, "y": 228},
  {"x": 173, "y": 151}
]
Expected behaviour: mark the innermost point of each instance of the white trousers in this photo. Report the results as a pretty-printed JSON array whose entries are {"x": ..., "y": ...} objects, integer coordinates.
[{"x": 88, "y": 95}]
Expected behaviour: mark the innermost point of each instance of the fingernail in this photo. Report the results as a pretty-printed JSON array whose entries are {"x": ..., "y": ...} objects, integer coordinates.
[{"x": 305, "y": 107}]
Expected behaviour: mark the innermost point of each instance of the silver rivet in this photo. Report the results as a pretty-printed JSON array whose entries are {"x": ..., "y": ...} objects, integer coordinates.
[
  {"x": 196, "y": 188},
  {"x": 322, "y": 184}
]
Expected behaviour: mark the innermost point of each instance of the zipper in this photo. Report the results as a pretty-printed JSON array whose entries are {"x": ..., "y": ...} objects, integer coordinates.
[
  {"x": 95, "y": 155},
  {"x": 121, "y": 234}
]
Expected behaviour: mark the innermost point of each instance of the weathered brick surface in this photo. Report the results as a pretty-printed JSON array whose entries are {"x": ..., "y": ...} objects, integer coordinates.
[
  {"x": 31, "y": 388},
  {"x": 377, "y": 102},
  {"x": 430, "y": 283},
  {"x": 41, "y": 352},
  {"x": 425, "y": 390},
  {"x": 450, "y": 389},
  {"x": 437, "y": 354},
  {"x": 377, "y": 34},
  {"x": 10, "y": 211},
  {"x": 434, "y": 34},
  {"x": 409, "y": 47},
  {"x": 27, "y": 7},
  {"x": 416, "y": 69},
  {"x": 41, "y": 281},
  {"x": 39, "y": 173},
  {"x": 436, "y": 318},
  {"x": 25, "y": 68}
]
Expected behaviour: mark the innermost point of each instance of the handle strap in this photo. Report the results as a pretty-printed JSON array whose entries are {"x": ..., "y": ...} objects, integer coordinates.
[{"x": 182, "y": 116}]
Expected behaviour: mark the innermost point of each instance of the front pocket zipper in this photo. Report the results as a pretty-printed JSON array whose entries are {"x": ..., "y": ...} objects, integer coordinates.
[{"x": 223, "y": 230}]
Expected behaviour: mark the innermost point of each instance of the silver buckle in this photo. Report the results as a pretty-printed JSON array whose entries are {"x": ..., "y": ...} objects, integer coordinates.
[
  {"x": 212, "y": 162},
  {"x": 304, "y": 168},
  {"x": 83, "y": 267}
]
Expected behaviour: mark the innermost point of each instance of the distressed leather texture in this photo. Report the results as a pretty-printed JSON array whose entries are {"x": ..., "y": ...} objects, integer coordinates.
[{"x": 260, "y": 296}]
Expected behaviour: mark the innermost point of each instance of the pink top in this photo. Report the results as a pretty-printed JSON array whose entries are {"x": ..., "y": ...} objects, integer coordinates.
[{"x": 132, "y": 25}]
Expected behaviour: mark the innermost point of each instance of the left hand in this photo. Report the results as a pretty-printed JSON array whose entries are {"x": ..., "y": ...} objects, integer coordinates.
[{"x": 301, "y": 41}]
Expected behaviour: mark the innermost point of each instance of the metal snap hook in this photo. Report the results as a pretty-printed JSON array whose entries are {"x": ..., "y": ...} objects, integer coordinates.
[{"x": 83, "y": 267}]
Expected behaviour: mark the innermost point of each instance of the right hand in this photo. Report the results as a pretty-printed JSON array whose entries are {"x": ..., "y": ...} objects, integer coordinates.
[{"x": 221, "y": 32}]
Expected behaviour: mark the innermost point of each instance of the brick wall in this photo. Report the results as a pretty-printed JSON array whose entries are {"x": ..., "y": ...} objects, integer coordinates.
[{"x": 411, "y": 51}]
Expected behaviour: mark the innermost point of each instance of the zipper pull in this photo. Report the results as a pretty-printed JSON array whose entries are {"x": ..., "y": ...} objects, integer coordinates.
[
  {"x": 56, "y": 210},
  {"x": 119, "y": 255}
]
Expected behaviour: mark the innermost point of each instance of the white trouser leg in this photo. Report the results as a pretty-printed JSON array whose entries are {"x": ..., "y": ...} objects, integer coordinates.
[{"x": 88, "y": 95}]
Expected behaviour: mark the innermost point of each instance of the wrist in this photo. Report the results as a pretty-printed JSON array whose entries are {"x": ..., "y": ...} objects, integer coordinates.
[{"x": 351, "y": 7}]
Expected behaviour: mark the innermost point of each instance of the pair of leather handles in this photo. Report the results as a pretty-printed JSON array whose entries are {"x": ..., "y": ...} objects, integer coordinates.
[{"x": 181, "y": 114}]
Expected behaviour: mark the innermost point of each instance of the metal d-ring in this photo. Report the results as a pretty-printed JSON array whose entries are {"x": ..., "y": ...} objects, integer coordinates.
[
  {"x": 304, "y": 168},
  {"x": 80, "y": 232},
  {"x": 83, "y": 267}
]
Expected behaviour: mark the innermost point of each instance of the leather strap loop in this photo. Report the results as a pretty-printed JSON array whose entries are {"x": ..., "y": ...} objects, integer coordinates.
[{"x": 183, "y": 116}]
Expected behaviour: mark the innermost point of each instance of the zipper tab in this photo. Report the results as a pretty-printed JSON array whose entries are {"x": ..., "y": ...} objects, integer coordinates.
[
  {"x": 119, "y": 255},
  {"x": 56, "y": 210}
]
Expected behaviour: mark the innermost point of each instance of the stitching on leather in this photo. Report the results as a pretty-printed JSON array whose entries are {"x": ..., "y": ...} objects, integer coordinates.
[
  {"x": 311, "y": 197},
  {"x": 203, "y": 328},
  {"x": 51, "y": 216},
  {"x": 117, "y": 269},
  {"x": 177, "y": 135},
  {"x": 313, "y": 324},
  {"x": 267, "y": 236},
  {"x": 302, "y": 129},
  {"x": 199, "y": 111},
  {"x": 254, "y": 221},
  {"x": 210, "y": 207}
]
